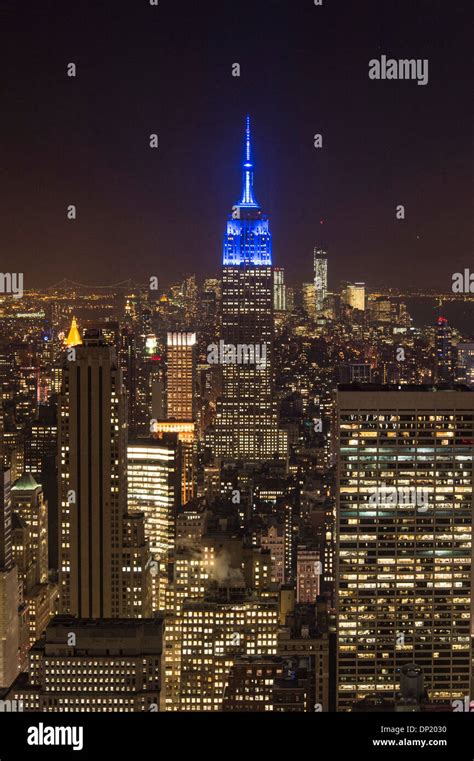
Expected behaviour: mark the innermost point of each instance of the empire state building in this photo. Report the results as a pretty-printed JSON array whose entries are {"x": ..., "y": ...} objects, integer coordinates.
[{"x": 247, "y": 424}]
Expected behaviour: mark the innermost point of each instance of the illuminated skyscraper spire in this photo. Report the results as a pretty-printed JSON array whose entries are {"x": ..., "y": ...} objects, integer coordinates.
[
  {"x": 248, "y": 198},
  {"x": 74, "y": 337},
  {"x": 248, "y": 238}
]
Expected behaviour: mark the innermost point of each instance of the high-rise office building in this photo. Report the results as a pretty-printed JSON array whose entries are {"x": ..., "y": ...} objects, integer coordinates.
[
  {"x": 303, "y": 641},
  {"x": 7, "y": 365},
  {"x": 28, "y": 501},
  {"x": 320, "y": 277},
  {"x": 99, "y": 548},
  {"x": 90, "y": 665},
  {"x": 38, "y": 595},
  {"x": 189, "y": 292},
  {"x": 23, "y": 554},
  {"x": 354, "y": 372},
  {"x": 40, "y": 460},
  {"x": 9, "y": 599},
  {"x": 279, "y": 289},
  {"x": 128, "y": 363},
  {"x": 247, "y": 425},
  {"x": 207, "y": 555},
  {"x": 6, "y": 556},
  {"x": 274, "y": 541},
  {"x": 444, "y": 352},
  {"x": 154, "y": 488},
  {"x": 214, "y": 635},
  {"x": 189, "y": 577},
  {"x": 309, "y": 299},
  {"x": 181, "y": 406},
  {"x": 142, "y": 368},
  {"x": 404, "y": 524},
  {"x": 354, "y": 295},
  {"x": 185, "y": 430},
  {"x": 308, "y": 574},
  {"x": 41, "y": 441},
  {"x": 12, "y": 445},
  {"x": 465, "y": 363},
  {"x": 251, "y": 683},
  {"x": 37, "y": 599},
  {"x": 181, "y": 375}
]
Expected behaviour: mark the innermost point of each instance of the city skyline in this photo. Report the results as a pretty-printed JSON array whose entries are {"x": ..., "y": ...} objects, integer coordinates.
[
  {"x": 372, "y": 157},
  {"x": 237, "y": 374}
]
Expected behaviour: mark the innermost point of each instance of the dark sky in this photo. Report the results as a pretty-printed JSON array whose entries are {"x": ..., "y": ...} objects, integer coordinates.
[{"x": 167, "y": 69}]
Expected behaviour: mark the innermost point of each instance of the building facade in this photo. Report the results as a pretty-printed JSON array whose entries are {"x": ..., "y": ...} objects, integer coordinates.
[
  {"x": 9, "y": 598},
  {"x": 90, "y": 665},
  {"x": 404, "y": 525},
  {"x": 247, "y": 424},
  {"x": 97, "y": 554},
  {"x": 320, "y": 277},
  {"x": 181, "y": 375},
  {"x": 214, "y": 634},
  {"x": 154, "y": 473}
]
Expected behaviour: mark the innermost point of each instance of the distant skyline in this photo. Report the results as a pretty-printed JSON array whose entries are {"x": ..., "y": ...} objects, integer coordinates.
[{"x": 168, "y": 70}]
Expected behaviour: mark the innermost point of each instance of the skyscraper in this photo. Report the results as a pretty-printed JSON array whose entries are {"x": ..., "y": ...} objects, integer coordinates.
[
  {"x": 29, "y": 502},
  {"x": 100, "y": 548},
  {"x": 308, "y": 574},
  {"x": 404, "y": 524},
  {"x": 354, "y": 295},
  {"x": 465, "y": 363},
  {"x": 320, "y": 277},
  {"x": 181, "y": 407},
  {"x": 181, "y": 375},
  {"x": 246, "y": 417},
  {"x": 40, "y": 445},
  {"x": 9, "y": 622},
  {"x": 128, "y": 363},
  {"x": 40, "y": 460},
  {"x": 215, "y": 633},
  {"x": 154, "y": 488},
  {"x": 6, "y": 556},
  {"x": 444, "y": 352},
  {"x": 279, "y": 289},
  {"x": 309, "y": 299}
]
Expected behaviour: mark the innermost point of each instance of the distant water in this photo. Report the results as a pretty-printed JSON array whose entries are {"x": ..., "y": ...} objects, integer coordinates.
[{"x": 460, "y": 314}]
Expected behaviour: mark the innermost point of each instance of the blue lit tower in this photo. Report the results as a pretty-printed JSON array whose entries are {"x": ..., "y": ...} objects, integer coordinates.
[
  {"x": 247, "y": 425},
  {"x": 248, "y": 239}
]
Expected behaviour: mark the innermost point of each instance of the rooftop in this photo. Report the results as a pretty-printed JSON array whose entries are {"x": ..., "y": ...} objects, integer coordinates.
[
  {"x": 407, "y": 387},
  {"x": 26, "y": 482}
]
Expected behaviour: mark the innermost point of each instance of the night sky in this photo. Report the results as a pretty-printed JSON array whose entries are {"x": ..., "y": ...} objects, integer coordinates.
[{"x": 168, "y": 70}]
